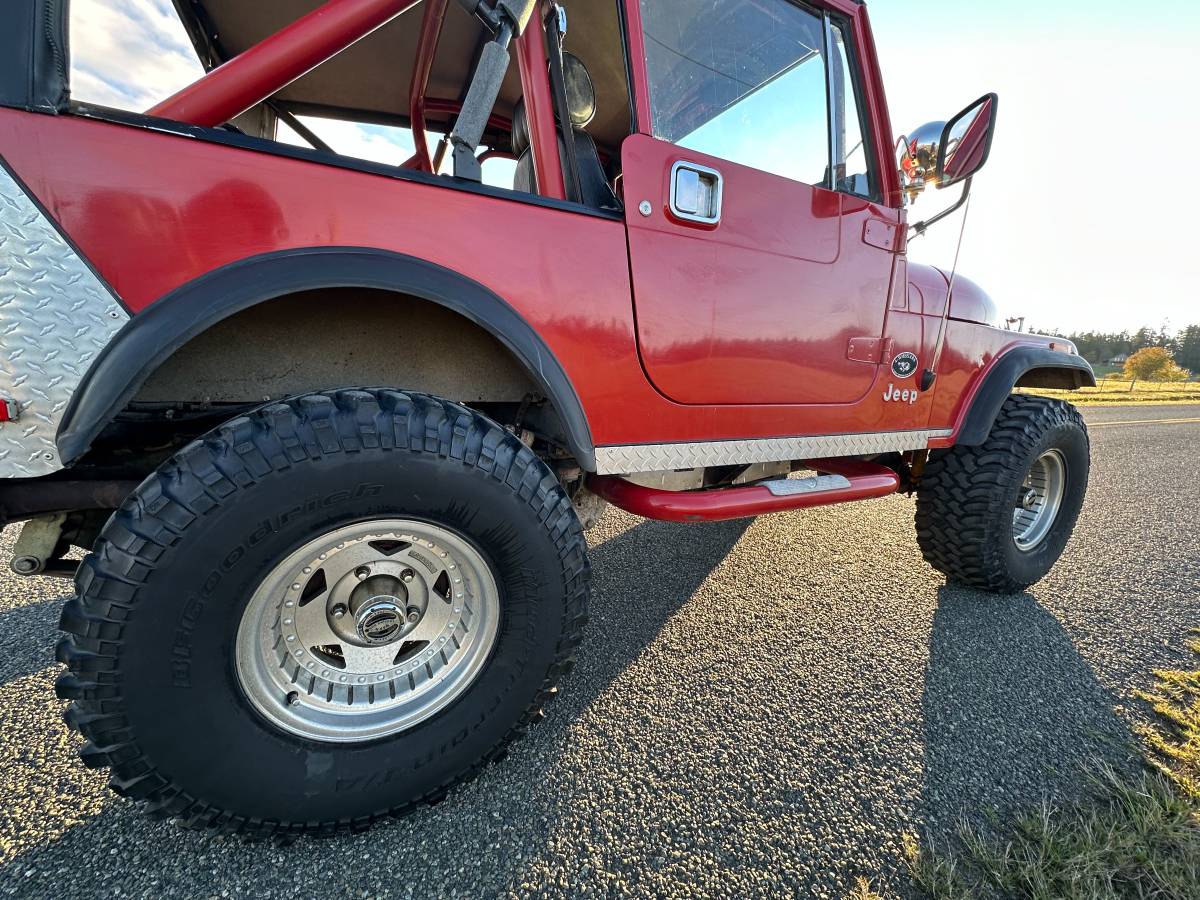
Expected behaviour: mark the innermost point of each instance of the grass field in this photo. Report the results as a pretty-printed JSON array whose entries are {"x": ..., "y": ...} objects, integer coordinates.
[{"x": 1119, "y": 391}]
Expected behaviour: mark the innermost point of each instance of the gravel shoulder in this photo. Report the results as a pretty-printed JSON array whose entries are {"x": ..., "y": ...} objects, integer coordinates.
[{"x": 759, "y": 708}]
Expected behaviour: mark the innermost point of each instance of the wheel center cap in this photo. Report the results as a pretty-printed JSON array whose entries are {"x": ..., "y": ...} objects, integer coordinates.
[
  {"x": 1030, "y": 499},
  {"x": 379, "y": 620}
]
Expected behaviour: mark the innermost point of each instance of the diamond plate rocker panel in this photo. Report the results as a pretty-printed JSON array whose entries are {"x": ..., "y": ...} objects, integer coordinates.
[
  {"x": 629, "y": 459},
  {"x": 55, "y": 317}
]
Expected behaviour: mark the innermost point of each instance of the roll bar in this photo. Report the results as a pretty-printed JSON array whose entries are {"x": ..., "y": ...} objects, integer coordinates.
[
  {"x": 262, "y": 71},
  {"x": 268, "y": 67}
]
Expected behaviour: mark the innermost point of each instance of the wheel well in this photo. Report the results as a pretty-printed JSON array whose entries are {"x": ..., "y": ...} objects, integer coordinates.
[
  {"x": 1019, "y": 367},
  {"x": 1056, "y": 378},
  {"x": 330, "y": 338},
  {"x": 339, "y": 337}
]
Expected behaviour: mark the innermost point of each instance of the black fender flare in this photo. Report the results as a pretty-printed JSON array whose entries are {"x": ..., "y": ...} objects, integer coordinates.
[
  {"x": 1024, "y": 367},
  {"x": 152, "y": 336}
]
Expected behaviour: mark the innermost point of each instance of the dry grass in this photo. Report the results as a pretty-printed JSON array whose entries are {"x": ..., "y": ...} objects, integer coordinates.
[
  {"x": 1132, "y": 837},
  {"x": 1119, "y": 392},
  {"x": 1175, "y": 743},
  {"x": 863, "y": 891}
]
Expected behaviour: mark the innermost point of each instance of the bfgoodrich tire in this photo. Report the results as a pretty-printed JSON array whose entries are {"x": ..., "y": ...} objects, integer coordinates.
[
  {"x": 997, "y": 517},
  {"x": 387, "y": 516}
]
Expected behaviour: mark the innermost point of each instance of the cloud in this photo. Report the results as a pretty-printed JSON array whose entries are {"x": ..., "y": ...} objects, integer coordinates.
[{"x": 129, "y": 54}]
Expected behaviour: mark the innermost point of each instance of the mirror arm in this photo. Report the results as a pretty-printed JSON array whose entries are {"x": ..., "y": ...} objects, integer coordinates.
[{"x": 919, "y": 229}]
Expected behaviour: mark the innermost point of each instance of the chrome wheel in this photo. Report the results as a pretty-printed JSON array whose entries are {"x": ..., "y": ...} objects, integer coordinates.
[
  {"x": 367, "y": 630},
  {"x": 1039, "y": 500}
]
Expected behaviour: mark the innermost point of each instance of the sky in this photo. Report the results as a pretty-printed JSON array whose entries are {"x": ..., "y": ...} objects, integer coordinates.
[{"x": 1077, "y": 223}]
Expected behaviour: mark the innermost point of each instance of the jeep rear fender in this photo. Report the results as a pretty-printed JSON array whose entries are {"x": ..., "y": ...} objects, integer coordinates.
[
  {"x": 153, "y": 336},
  {"x": 1023, "y": 366}
]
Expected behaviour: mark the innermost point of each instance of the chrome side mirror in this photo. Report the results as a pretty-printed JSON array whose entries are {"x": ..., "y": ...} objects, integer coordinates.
[
  {"x": 947, "y": 153},
  {"x": 918, "y": 157},
  {"x": 966, "y": 142}
]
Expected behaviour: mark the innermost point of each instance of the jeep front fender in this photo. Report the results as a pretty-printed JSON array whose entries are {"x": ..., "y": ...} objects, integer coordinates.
[{"x": 1019, "y": 367}]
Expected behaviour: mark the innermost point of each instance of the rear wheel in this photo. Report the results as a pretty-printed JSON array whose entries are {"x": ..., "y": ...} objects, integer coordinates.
[
  {"x": 998, "y": 516},
  {"x": 328, "y": 611}
]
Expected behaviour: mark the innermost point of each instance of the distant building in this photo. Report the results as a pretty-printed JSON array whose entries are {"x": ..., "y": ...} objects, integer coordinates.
[{"x": 1119, "y": 360}]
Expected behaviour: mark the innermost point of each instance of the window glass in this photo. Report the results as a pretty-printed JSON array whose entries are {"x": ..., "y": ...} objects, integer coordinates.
[
  {"x": 851, "y": 169},
  {"x": 743, "y": 80}
]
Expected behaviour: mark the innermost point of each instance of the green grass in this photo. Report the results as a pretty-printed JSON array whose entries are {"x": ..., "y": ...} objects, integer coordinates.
[{"x": 1130, "y": 837}]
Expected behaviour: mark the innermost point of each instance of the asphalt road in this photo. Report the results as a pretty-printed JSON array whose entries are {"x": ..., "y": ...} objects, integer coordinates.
[{"x": 759, "y": 708}]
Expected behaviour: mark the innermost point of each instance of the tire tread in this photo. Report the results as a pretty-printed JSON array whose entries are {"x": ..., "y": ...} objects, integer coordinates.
[{"x": 963, "y": 489}]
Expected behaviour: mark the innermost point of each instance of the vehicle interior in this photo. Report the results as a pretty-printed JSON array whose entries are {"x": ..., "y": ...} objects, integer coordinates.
[{"x": 372, "y": 82}]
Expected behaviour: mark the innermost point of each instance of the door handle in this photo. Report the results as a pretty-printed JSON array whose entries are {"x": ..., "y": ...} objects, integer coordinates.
[{"x": 696, "y": 193}]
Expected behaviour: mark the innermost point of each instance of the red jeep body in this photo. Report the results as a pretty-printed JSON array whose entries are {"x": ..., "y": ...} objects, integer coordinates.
[
  {"x": 659, "y": 341},
  {"x": 397, "y": 391}
]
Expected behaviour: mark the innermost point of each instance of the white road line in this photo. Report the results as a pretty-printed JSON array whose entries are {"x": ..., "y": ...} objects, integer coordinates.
[{"x": 1193, "y": 421}]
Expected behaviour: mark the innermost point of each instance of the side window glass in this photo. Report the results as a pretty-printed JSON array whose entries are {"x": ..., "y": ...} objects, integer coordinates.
[
  {"x": 743, "y": 80},
  {"x": 852, "y": 171}
]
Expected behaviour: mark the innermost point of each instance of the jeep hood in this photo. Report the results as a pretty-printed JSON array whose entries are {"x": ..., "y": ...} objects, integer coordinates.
[{"x": 927, "y": 293}]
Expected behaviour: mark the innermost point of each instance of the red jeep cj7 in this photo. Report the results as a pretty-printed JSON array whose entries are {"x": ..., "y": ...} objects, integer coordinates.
[{"x": 330, "y": 430}]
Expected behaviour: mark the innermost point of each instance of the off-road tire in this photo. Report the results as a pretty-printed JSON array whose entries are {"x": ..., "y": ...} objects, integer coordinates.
[
  {"x": 966, "y": 497},
  {"x": 185, "y": 742}
]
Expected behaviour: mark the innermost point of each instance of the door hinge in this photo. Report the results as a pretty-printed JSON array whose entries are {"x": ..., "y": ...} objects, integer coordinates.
[
  {"x": 884, "y": 235},
  {"x": 869, "y": 350}
]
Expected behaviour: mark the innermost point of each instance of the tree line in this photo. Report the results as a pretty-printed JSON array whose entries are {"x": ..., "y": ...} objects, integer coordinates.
[{"x": 1098, "y": 347}]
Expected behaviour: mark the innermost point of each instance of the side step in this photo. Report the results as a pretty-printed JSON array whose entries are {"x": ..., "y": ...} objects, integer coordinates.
[{"x": 839, "y": 481}]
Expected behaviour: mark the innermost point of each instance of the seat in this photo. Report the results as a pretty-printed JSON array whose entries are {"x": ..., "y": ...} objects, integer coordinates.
[{"x": 581, "y": 103}]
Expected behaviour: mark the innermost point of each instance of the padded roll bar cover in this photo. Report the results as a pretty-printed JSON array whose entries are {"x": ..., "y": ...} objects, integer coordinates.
[
  {"x": 520, "y": 11},
  {"x": 481, "y": 97}
]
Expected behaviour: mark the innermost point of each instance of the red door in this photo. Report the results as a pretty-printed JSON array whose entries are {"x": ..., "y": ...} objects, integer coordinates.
[
  {"x": 762, "y": 306},
  {"x": 753, "y": 281}
]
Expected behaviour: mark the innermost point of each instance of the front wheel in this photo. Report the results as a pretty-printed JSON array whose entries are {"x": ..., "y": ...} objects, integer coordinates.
[
  {"x": 325, "y": 612},
  {"x": 997, "y": 517}
]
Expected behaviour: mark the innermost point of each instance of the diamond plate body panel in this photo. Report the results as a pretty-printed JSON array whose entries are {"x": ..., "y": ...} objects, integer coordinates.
[
  {"x": 628, "y": 459},
  {"x": 55, "y": 318}
]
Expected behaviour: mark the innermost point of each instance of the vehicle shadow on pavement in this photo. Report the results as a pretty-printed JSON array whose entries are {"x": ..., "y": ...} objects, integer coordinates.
[
  {"x": 1012, "y": 712},
  {"x": 643, "y": 575}
]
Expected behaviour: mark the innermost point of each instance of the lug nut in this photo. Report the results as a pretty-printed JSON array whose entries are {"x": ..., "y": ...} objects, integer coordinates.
[
  {"x": 407, "y": 575},
  {"x": 362, "y": 572},
  {"x": 414, "y": 614},
  {"x": 339, "y": 611}
]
